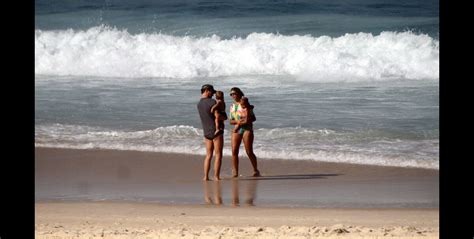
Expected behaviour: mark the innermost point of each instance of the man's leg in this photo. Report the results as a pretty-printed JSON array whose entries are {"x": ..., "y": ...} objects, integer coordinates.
[
  {"x": 207, "y": 160},
  {"x": 218, "y": 146}
]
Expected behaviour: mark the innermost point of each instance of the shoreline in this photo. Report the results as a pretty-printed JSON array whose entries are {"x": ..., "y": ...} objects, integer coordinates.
[
  {"x": 241, "y": 155},
  {"x": 112, "y": 175}
]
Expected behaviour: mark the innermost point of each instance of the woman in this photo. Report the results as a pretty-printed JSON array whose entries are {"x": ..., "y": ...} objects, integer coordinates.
[{"x": 244, "y": 132}]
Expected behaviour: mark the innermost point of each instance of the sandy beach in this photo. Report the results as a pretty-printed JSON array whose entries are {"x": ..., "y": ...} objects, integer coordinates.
[
  {"x": 129, "y": 194},
  {"x": 142, "y": 220},
  {"x": 346, "y": 96}
]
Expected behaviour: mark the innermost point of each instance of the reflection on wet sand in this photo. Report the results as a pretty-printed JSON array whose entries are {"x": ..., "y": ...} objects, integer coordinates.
[
  {"x": 213, "y": 192},
  {"x": 249, "y": 189},
  {"x": 212, "y": 188}
]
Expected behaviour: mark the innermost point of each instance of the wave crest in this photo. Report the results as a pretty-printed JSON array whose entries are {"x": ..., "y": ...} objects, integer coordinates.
[{"x": 108, "y": 52}]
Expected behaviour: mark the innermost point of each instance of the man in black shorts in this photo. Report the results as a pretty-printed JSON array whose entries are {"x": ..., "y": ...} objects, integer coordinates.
[{"x": 214, "y": 143}]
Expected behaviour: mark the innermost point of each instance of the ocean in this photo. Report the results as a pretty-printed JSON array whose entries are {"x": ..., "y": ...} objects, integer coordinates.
[{"x": 339, "y": 81}]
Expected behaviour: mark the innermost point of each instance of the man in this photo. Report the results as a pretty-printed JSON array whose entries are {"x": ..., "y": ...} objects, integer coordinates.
[{"x": 214, "y": 142}]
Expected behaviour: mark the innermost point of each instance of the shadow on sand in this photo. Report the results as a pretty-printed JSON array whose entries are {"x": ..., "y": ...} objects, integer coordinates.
[{"x": 290, "y": 177}]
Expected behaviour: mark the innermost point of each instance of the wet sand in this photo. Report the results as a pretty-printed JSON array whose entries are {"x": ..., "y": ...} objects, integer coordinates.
[{"x": 90, "y": 193}]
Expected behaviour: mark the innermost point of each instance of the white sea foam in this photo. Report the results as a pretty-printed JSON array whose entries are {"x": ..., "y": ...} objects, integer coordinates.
[
  {"x": 107, "y": 52},
  {"x": 297, "y": 143}
]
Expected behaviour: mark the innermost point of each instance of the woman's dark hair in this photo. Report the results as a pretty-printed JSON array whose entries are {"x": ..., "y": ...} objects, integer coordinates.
[{"x": 237, "y": 89}]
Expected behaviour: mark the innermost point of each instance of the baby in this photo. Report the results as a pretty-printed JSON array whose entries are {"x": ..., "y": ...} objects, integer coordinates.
[
  {"x": 246, "y": 112},
  {"x": 219, "y": 109}
]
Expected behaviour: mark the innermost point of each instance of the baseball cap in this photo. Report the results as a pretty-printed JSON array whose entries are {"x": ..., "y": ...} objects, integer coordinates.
[{"x": 208, "y": 87}]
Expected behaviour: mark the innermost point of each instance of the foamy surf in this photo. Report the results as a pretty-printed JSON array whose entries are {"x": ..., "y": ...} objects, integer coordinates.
[
  {"x": 108, "y": 52},
  {"x": 366, "y": 147}
]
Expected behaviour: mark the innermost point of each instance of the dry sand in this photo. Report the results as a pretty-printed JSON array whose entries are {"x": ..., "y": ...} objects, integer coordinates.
[{"x": 149, "y": 220}]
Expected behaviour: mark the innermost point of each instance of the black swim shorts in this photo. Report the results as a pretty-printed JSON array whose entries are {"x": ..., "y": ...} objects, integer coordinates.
[{"x": 212, "y": 137}]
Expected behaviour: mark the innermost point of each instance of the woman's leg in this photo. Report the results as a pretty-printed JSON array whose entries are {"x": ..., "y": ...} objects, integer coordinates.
[
  {"x": 218, "y": 194},
  {"x": 248, "y": 144},
  {"x": 235, "y": 142},
  {"x": 235, "y": 192}
]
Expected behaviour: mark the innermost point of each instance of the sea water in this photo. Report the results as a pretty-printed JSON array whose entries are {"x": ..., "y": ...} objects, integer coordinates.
[{"x": 354, "y": 82}]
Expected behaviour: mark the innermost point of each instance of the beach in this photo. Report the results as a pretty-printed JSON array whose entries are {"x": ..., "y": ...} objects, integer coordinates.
[
  {"x": 345, "y": 95},
  {"x": 143, "y": 220},
  {"x": 92, "y": 193}
]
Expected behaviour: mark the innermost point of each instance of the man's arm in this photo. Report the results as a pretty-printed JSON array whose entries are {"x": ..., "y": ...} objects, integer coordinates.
[
  {"x": 222, "y": 117},
  {"x": 214, "y": 111},
  {"x": 214, "y": 107}
]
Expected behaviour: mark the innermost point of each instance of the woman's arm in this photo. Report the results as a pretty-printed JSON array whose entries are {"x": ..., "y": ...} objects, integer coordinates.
[
  {"x": 249, "y": 119},
  {"x": 232, "y": 120},
  {"x": 252, "y": 117}
]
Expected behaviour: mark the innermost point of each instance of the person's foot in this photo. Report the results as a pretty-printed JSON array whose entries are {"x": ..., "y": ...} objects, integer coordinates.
[
  {"x": 205, "y": 179},
  {"x": 249, "y": 202},
  {"x": 256, "y": 173},
  {"x": 235, "y": 203},
  {"x": 217, "y": 178},
  {"x": 235, "y": 173}
]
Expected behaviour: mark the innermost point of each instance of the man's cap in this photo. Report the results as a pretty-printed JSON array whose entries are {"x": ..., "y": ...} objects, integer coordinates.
[{"x": 208, "y": 87}]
